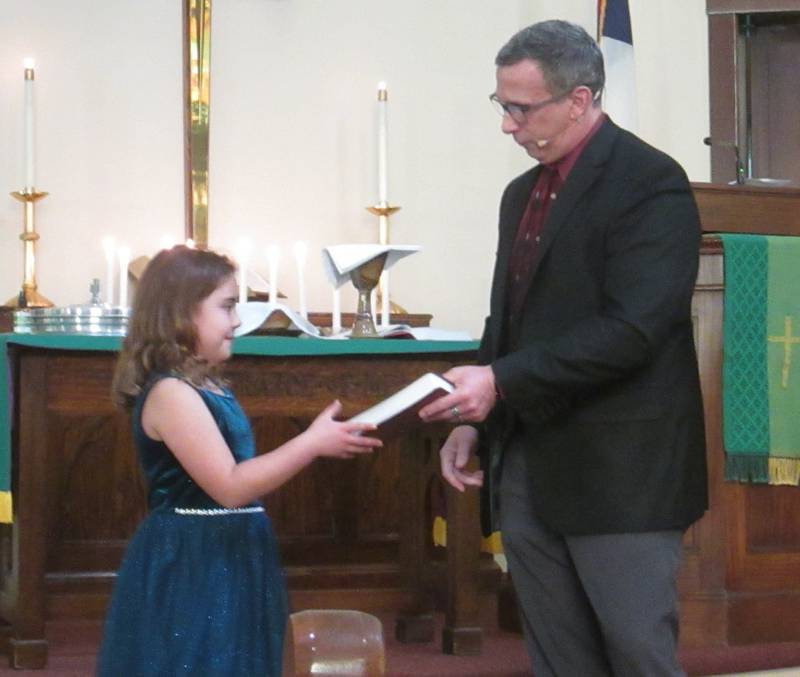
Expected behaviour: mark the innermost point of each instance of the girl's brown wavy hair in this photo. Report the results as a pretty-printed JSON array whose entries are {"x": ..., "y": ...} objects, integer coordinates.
[{"x": 162, "y": 337}]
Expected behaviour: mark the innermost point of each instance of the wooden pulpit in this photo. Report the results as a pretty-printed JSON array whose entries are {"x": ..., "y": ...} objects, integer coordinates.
[{"x": 740, "y": 581}]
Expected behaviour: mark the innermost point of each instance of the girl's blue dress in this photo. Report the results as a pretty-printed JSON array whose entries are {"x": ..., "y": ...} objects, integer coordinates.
[{"x": 201, "y": 590}]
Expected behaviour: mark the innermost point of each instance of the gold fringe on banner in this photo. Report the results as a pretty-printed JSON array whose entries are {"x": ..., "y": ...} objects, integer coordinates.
[
  {"x": 6, "y": 508},
  {"x": 784, "y": 471}
]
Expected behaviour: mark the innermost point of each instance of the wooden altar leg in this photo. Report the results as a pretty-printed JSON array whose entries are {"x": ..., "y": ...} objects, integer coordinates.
[
  {"x": 462, "y": 634},
  {"x": 414, "y": 623},
  {"x": 25, "y": 590}
]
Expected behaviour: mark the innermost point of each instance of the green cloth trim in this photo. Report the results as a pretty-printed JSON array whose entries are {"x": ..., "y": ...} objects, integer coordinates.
[{"x": 266, "y": 346}]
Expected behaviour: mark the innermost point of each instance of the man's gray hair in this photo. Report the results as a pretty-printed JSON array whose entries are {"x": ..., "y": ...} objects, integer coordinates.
[{"x": 568, "y": 56}]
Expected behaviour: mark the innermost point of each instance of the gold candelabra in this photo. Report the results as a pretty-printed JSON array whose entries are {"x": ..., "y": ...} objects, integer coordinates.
[
  {"x": 383, "y": 211},
  {"x": 29, "y": 296}
]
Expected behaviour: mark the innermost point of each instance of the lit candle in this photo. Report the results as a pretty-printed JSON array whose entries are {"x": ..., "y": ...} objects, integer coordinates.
[
  {"x": 300, "y": 254},
  {"x": 383, "y": 99},
  {"x": 166, "y": 242},
  {"x": 273, "y": 257},
  {"x": 336, "y": 315},
  {"x": 124, "y": 254},
  {"x": 109, "y": 247},
  {"x": 29, "y": 126},
  {"x": 242, "y": 255}
]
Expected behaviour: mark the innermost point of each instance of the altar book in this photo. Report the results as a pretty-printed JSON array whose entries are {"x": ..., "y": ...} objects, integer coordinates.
[{"x": 398, "y": 413}]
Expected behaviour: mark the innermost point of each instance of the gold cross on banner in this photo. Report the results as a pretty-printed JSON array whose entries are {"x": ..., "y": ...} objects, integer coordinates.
[{"x": 788, "y": 339}]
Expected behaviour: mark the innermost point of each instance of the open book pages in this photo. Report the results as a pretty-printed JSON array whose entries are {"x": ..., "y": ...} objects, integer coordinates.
[
  {"x": 406, "y": 331},
  {"x": 397, "y": 414},
  {"x": 255, "y": 314}
]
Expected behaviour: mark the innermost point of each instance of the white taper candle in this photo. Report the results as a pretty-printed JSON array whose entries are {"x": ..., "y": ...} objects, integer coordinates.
[
  {"x": 30, "y": 172},
  {"x": 273, "y": 258},
  {"x": 383, "y": 181},
  {"x": 124, "y": 254},
  {"x": 336, "y": 315},
  {"x": 385, "y": 304},
  {"x": 110, "y": 250},
  {"x": 300, "y": 255},
  {"x": 242, "y": 255}
]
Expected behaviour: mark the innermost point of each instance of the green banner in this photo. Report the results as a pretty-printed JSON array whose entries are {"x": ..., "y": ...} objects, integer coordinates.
[{"x": 761, "y": 364}]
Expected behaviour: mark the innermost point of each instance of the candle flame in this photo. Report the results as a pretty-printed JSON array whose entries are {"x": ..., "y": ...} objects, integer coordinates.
[
  {"x": 190, "y": 243},
  {"x": 29, "y": 63},
  {"x": 300, "y": 252},
  {"x": 242, "y": 250},
  {"x": 108, "y": 246},
  {"x": 166, "y": 242}
]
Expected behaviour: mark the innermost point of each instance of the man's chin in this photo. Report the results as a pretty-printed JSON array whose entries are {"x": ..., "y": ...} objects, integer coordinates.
[{"x": 534, "y": 150}]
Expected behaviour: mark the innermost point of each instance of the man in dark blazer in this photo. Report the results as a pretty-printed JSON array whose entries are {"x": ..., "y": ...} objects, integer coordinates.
[{"x": 586, "y": 409}]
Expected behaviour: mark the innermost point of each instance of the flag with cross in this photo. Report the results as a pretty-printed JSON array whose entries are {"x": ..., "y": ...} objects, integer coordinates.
[{"x": 761, "y": 362}]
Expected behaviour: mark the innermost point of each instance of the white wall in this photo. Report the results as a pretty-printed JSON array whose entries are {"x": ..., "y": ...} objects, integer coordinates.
[{"x": 293, "y": 130}]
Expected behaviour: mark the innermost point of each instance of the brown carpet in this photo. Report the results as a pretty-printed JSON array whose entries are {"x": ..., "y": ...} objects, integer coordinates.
[{"x": 73, "y": 645}]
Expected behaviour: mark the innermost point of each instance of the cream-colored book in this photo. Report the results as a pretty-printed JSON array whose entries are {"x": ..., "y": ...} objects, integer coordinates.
[{"x": 398, "y": 413}]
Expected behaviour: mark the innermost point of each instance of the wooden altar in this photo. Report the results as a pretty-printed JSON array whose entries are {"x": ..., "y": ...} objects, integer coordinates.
[{"x": 353, "y": 534}]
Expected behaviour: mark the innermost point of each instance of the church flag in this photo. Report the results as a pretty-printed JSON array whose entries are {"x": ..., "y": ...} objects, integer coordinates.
[{"x": 616, "y": 42}]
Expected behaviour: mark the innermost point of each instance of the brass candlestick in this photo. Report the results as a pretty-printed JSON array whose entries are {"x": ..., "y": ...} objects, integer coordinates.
[
  {"x": 383, "y": 211},
  {"x": 29, "y": 297}
]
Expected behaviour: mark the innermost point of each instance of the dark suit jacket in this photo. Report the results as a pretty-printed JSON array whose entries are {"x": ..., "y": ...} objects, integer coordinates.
[{"x": 598, "y": 371}]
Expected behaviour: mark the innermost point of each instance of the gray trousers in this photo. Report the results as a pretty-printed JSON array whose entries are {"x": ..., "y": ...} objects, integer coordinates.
[{"x": 590, "y": 605}]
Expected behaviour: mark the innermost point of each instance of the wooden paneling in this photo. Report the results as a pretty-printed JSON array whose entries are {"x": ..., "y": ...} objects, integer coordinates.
[
  {"x": 722, "y": 97},
  {"x": 755, "y": 537},
  {"x": 750, "y": 6},
  {"x": 353, "y": 534},
  {"x": 734, "y": 209}
]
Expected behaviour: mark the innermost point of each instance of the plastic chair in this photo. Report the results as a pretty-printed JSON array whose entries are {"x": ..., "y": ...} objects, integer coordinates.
[{"x": 332, "y": 642}]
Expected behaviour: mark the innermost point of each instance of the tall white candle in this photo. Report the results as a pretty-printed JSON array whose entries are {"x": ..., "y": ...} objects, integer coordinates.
[
  {"x": 383, "y": 102},
  {"x": 385, "y": 304},
  {"x": 110, "y": 250},
  {"x": 300, "y": 255},
  {"x": 30, "y": 173},
  {"x": 373, "y": 304},
  {"x": 273, "y": 258},
  {"x": 242, "y": 256},
  {"x": 336, "y": 315},
  {"x": 124, "y": 254}
]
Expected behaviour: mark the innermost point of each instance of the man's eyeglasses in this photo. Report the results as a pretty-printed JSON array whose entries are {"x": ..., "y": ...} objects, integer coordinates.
[{"x": 519, "y": 112}]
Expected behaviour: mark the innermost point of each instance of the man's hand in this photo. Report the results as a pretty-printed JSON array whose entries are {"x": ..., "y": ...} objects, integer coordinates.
[
  {"x": 455, "y": 455},
  {"x": 472, "y": 400}
]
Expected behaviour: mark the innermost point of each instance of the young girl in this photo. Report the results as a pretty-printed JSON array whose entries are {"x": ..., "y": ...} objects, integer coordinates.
[{"x": 200, "y": 591}]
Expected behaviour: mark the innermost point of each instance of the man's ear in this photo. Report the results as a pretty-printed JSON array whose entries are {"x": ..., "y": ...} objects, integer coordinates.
[{"x": 581, "y": 99}]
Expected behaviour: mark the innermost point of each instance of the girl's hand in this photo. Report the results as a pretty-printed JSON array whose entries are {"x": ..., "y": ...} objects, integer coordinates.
[{"x": 339, "y": 439}]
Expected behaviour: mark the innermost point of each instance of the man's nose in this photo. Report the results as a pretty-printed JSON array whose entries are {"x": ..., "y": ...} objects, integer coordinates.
[{"x": 508, "y": 125}]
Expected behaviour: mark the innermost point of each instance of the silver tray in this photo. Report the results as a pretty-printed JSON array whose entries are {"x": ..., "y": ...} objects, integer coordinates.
[{"x": 78, "y": 319}]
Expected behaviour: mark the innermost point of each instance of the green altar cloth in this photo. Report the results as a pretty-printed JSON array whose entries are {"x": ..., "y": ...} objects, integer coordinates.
[
  {"x": 760, "y": 380},
  {"x": 246, "y": 345}
]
